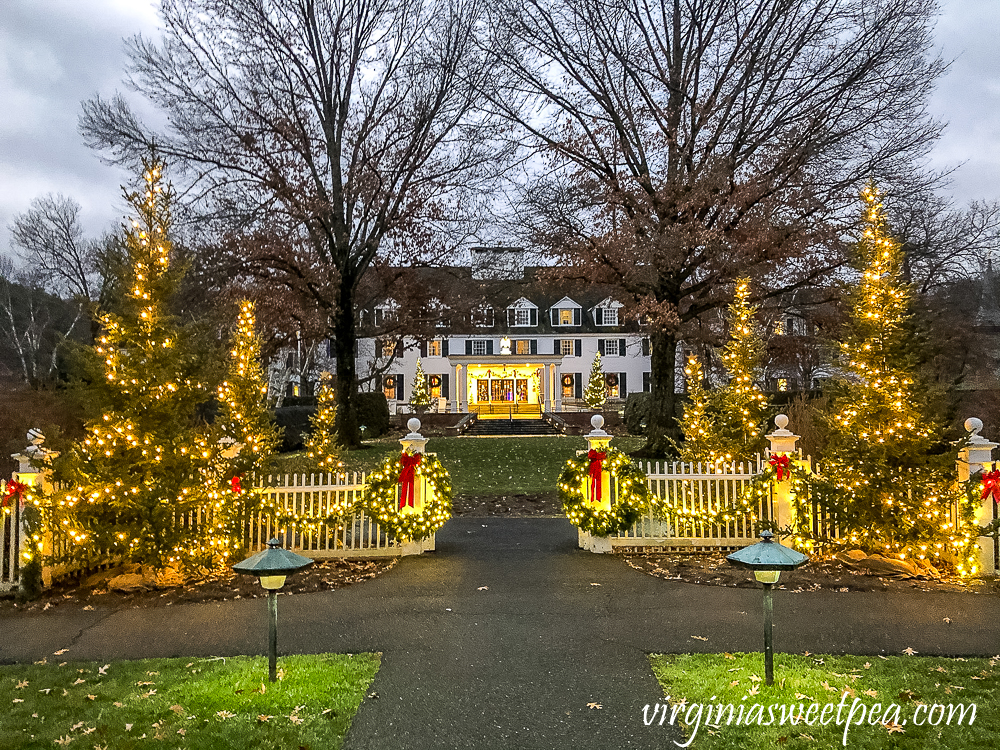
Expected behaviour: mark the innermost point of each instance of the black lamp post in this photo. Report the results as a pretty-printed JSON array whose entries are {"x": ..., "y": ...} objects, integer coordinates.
[
  {"x": 767, "y": 559},
  {"x": 271, "y": 566}
]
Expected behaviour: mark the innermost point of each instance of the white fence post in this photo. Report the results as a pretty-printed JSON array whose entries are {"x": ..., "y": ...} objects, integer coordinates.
[
  {"x": 972, "y": 460},
  {"x": 416, "y": 443},
  {"x": 782, "y": 443}
]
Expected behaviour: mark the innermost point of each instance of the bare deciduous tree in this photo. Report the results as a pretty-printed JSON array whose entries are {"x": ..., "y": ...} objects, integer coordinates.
[
  {"x": 330, "y": 132},
  {"x": 52, "y": 242},
  {"x": 687, "y": 142}
]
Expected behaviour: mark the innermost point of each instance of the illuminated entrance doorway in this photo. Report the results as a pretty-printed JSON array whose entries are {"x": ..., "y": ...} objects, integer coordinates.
[{"x": 505, "y": 391}]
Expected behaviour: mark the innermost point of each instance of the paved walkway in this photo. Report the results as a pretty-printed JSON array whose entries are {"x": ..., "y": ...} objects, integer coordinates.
[{"x": 515, "y": 664}]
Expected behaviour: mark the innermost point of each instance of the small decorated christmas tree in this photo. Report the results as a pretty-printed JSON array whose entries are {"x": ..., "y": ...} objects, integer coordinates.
[
  {"x": 596, "y": 393},
  {"x": 138, "y": 468},
  {"x": 244, "y": 422},
  {"x": 701, "y": 440},
  {"x": 321, "y": 444},
  {"x": 742, "y": 406},
  {"x": 420, "y": 395}
]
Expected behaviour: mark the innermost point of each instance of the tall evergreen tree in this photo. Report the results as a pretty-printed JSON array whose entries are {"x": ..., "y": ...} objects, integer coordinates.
[
  {"x": 884, "y": 472},
  {"x": 138, "y": 465}
]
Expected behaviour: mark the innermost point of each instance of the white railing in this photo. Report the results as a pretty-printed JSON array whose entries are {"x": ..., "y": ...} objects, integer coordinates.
[{"x": 683, "y": 492}]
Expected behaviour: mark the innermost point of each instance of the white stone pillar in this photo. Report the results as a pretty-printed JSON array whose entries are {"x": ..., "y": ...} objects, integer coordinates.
[
  {"x": 456, "y": 401},
  {"x": 414, "y": 442},
  {"x": 975, "y": 458},
  {"x": 782, "y": 443},
  {"x": 597, "y": 440},
  {"x": 555, "y": 379},
  {"x": 32, "y": 471}
]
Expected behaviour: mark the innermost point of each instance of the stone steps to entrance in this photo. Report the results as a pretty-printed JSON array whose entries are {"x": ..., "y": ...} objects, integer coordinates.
[{"x": 494, "y": 427}]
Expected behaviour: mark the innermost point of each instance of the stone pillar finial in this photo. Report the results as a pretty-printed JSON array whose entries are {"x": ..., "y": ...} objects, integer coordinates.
[{"x": 782, "y": 440}]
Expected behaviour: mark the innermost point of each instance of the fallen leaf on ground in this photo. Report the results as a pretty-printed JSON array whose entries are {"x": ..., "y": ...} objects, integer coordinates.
[
  {"x": 892, "y": 727},
  {"x": 60, "y": 652},
  {"x": 594, "y": 705},
  {"x": 909, "y": 651},
  {"x": 483, "y": 588},
  {"x": 699, "y": 637}
]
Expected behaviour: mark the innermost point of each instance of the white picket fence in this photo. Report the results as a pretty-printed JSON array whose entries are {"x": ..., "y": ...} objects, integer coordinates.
[
  {"x": 694, "y": 487},
  {"x": 315, "y": 496},
  {"x": 10, "y": 541}
]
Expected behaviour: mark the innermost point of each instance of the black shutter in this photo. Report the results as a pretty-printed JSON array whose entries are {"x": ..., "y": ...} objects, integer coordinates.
[
  {"x": 600, "y": 347},
  {"x": 556, "y": 346},
  {"x": 398, "y": 351},
  {"x": 399, "y": 388},
  {"x": 423, "y": 349},
  {"x": 622, "y": 385},
  {"x": 599, "y": 316},
  {"x": 533, "y": 346},
  {"x": 444, "y": 347},
  {"x": 329, "y": 348},
  {"x": 578, "y": 384},
  {"x": 576, "y": 316},
  {"x": 579, "y": 347},
  {"x": 645, "y": 347},
  {"x": 444, "y": 386},
  {"x": 645, "y": 381},
  {"x": 621, "y": 347},
  {"x": 489, "y": 347},
  {"x": 533, "y": 317},
  {"x": 468, "y": 347}
]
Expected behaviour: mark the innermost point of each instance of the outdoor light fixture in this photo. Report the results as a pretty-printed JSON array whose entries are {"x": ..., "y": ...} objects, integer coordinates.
[
  {"x": 272, "y": 566},
  {"x": 767, "y": 559}
]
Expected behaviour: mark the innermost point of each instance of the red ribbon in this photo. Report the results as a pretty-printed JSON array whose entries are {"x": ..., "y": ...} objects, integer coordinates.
[
  {"x": 781, "y": 465},
  {"x": 991, "y": 485},
  {"x": 235, "y": 484},
  {"x": 408, "y": 463},
  {"x": 596, "y": 459},
  {"x": 14, "y": 489}
]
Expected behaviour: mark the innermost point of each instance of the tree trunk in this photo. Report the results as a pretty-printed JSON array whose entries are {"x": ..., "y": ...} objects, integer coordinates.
[
  {"x": 661, "y": 424},
  {"x": 345, "y": 340}
]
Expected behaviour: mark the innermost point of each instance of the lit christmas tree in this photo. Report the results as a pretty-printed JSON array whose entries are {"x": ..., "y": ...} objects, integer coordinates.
[
  {"x": 885, "y": 473},
  {"x": 136, "y": 470},
  {"x": 741, "y": 406},
  {"x": 321, "y": 445},
  {"x": 244, "y": 422},
  {"x": 420, "y": 396},
  {"x": 701, "y": 439},
  {"x": 596, "y": 393}
]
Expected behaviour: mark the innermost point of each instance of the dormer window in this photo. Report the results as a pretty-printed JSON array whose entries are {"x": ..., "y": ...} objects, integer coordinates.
[
  {"x": 606, "y": 313},
  {"x": 385, "y": 313},
  {"x": 482, "y": 316},
  {"x": 565, "y": 312},
  {"x": 522, "y": 314}
]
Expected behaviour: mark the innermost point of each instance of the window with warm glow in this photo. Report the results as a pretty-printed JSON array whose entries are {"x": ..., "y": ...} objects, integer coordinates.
[
  {"x": 565, "y": 317},
  {"x": 434, "y": 348},
  {"x": 566, "y": 347},
  {"x": 522, "y": 346}
]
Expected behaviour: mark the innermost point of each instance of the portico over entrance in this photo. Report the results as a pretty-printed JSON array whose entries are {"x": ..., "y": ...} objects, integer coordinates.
[{"x": 507, "y": 385}]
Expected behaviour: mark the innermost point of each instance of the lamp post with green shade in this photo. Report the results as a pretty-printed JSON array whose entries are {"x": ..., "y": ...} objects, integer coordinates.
[
  {"x": 272, "y": 566},
  {"x": 767, "y": 559}
]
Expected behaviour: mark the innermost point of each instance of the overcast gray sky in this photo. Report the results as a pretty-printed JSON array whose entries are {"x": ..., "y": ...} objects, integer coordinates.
[{"x": 56, "y": 53}]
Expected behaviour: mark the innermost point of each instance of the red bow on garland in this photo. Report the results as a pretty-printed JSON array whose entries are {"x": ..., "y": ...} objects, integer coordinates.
[
  {"x": 596, "y": 459},
  {"x": 782, "y": 466},
  {"x": 14, "y": 489},
  {"x": 235, "y": 484},
  {"x": 991, "y": 485},
  {"x": 408, "y": 463}
]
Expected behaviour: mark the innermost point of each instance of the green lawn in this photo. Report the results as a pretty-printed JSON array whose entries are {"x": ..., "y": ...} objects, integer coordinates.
[
  {"x": 184, "y": 703},
  {"x": 481, "y": 466},
  {"x": 895, "y": 702}
]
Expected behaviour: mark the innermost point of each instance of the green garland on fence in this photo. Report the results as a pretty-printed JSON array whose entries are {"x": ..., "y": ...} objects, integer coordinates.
[
  {"x": 631, "y": 502},
  {"x": 381, "y": 502}
]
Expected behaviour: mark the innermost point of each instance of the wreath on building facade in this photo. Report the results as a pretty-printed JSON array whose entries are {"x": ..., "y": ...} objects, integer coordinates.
[
  {"x": 435, "y": 381},
  {"x": 391, "y": 489},
  {"x": 627, "y": 505},
  {"x": 567, "y": 380}
]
